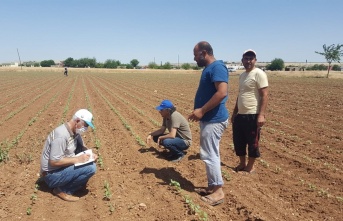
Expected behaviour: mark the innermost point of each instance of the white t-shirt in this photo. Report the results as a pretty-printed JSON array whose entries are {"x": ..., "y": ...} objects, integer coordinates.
[{"x": 249, "y": 99}]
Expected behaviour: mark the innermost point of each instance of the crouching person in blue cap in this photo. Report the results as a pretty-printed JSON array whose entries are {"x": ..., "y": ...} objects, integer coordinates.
[
  {"x": 62, "y": 168},
  {"x": 179, "y": 137}
]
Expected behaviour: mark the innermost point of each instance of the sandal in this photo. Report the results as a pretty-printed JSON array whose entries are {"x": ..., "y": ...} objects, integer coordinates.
[
  {"x": 203, "y": 191},
  {"x": 210, "y": 201}
]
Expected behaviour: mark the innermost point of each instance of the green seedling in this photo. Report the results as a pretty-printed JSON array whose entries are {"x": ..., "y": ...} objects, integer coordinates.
[
  {"x": 195, "y": 208},
  {"x": 323, "y": 193},
  {"x": 3, "y": 154},
  {"x": 277, "y": 170},
  {"x": 176, "y": 185},
  {"x": 312, "y": 187},
  {"x": 226, "y": 175},
  {"x": 107, "y": 194},
  {"x": 111, "y": 208},
  {"x": 100, "y": 162},
  {"x": 264, "y": 163},
  {"x": 28, "y": 211}
]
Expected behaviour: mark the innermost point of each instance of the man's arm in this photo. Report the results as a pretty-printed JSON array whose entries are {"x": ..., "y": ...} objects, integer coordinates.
[
  {"x": 261, "y": 119},
  {"x": 155, "y": 133},
  {"x": 235, "y": 111},
  {"x": 171, "y": 134},
  {"x": 215, "y": 100},
  {"x": 159, "y": 131},
  {"x": 67, "y": 161}
]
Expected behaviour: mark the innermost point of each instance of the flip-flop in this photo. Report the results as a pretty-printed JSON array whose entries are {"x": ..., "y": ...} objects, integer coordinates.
[
  {"x": 210, "y": 201},
  {"x": 202, "y": 191}
]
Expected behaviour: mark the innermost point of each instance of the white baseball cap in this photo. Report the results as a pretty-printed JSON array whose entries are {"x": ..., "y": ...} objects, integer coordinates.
[
  {"x": 86, "y": 116},
  {"x": 249, "y": 50}
]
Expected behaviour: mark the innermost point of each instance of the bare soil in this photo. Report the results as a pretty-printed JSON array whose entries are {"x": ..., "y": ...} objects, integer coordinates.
[{"x": 298, "y": 177}]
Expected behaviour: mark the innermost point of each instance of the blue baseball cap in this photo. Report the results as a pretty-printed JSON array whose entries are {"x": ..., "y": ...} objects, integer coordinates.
[{"x": 164, "y": 105}]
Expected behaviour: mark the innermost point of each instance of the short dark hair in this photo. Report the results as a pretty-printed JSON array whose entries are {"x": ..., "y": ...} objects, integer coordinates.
[
  {"x": 205, "y": 46},
  {"x": 171, "y": 110}
]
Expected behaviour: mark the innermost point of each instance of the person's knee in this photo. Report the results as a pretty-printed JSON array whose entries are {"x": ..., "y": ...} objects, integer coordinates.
[
  {"x": 166, "y": 143},
  {"x": 240, "y": 151},
  {"x": 254, "y": 153},
  {"x": 91, "y": 169}
]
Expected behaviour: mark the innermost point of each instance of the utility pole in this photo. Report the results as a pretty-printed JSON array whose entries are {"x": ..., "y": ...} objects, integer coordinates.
[
  {"x": 21, "y": 67},
  {"x": 178, "y": 61}
]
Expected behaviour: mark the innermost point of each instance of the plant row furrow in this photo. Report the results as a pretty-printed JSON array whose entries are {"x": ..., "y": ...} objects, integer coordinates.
[{"x": 122, "y": 119}]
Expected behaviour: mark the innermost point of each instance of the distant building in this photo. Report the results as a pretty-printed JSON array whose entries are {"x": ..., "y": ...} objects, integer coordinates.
[{"x": 12, "y": 64}]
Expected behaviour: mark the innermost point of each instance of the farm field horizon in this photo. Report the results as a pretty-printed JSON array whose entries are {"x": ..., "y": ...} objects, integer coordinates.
[{"x": 298, "y": 177}]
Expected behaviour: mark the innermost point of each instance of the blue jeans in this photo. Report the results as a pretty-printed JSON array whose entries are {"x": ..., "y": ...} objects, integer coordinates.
[
  {"x": 210, "y": 136},
  {"x": 176, "y": 145},
  {"x": 70, "y": 179}
]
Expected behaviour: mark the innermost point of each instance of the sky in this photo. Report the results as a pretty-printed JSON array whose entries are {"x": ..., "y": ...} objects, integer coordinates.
[{"x": 167, "y": 30}]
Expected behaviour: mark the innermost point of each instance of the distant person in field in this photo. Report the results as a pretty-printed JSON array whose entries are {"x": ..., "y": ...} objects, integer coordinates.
[
  {"x": 179, "y": 137},
  {"x": 58, "y": 157},
  {"x": 66, "y": 72},
  {"x": 248, "y": 117},
  {"x": 210, "y": 110}
]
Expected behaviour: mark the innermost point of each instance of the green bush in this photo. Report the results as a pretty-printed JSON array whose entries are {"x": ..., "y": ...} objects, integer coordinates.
[{"x": 276, "y": 65}]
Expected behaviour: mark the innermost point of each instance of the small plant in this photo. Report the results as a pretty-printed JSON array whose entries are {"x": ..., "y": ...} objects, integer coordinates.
[
  {"x": 226, "y": 175},
  {"x": 340, "y": 199},
  {"x": 97, "y": 144},
  {"x": 3, "y": 154},
  {"x": 312, "y": 187},
  {"x": 264, "y": 163},
  {"x": 302, "y": 181},
  {"x": 195, "y": 208},
  {"x": 111, "y": 208},
  {"x": 33, "y": 198},
  {"x": 24, "y": 158},
  {"x": 100, "y": 162},
  {"x": 107, "y": 194},
  {"x": 176, "y": 185},
  {"x": 36, "y": 188},
  {"x": 28, "y": 211},
  {"x": 277, "y": 170},
  {"x": 323, "y": 193}
]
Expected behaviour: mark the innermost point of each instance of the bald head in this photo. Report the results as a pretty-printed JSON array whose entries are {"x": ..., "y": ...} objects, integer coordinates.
[
  {"x": 205, "y": 46},
  {"x": 203, "y": 54}
]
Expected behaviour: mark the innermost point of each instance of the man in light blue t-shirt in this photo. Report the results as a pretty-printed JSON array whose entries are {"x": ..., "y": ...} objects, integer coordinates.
[{"x": 210, "y": 110}]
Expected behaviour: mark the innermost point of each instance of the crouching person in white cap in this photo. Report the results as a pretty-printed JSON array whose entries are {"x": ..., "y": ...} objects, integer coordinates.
[{"x": 61, "y": 168}]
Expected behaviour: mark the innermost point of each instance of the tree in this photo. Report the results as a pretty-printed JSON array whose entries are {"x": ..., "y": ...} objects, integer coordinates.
[
  {"x": 86, "y": 62},
  {"x": 276, "y": 65},
  {"x": 186, "y": 66},
  {"x": 134, "y": 62},
  {"x": 47, "y": 63},
  {"x": 152, "y": 65},
  {"x": 331, "y": 53},
  {"x": 110, "y": 63},
  {"x": 166, "y": 65},
  {"x": 68, "y": 62},
  {"x": 336, "y": 67}
]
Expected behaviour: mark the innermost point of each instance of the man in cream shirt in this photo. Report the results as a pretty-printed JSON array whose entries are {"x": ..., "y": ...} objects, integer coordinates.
[{"x": 248, "y": 116}]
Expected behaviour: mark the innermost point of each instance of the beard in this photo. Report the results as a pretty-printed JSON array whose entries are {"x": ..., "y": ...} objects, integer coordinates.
[{"x": 201, "y": 62}]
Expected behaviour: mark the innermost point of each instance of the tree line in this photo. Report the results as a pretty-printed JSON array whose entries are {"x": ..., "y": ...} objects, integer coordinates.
[
  {"x": 109, "y": 63},
  {"x": 331, "y": 53}
]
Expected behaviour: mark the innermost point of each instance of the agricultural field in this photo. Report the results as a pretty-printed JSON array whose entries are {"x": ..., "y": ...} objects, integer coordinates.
[{"x": 298, "y": 177}]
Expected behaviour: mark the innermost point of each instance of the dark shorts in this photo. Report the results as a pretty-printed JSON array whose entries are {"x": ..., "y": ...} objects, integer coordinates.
[{"x": 246, "y": 132}]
